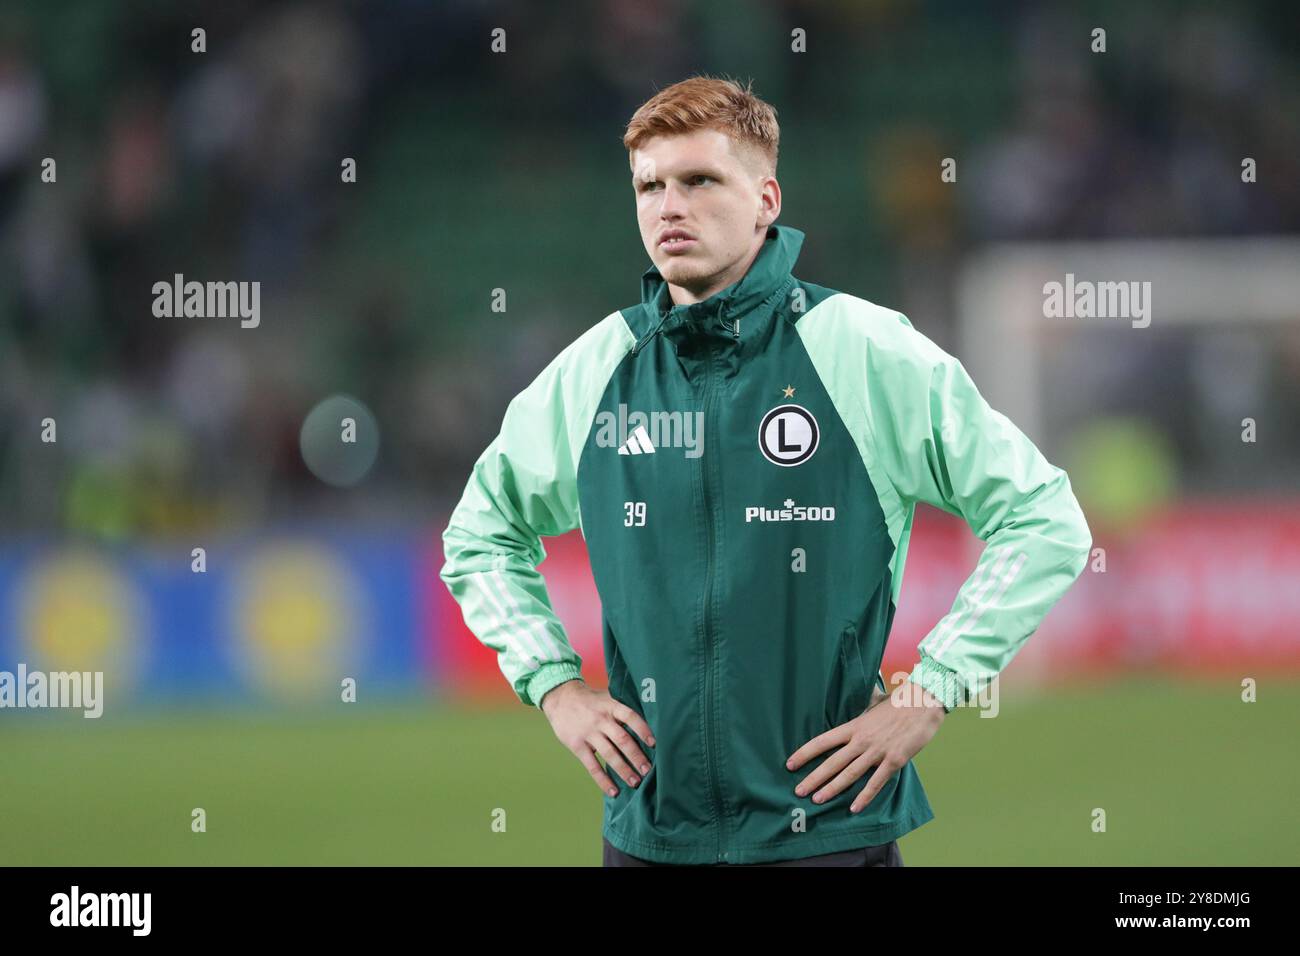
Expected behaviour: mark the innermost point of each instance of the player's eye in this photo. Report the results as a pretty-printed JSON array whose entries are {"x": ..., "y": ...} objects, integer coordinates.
[{"x": 698, "y": 176}]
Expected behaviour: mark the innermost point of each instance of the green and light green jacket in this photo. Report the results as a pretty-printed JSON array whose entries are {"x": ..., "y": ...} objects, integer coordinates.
[{"x": 745, "y": 471}]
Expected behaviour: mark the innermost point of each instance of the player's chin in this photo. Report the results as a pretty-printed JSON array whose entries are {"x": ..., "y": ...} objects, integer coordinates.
[{"x": 680, "y": 270}]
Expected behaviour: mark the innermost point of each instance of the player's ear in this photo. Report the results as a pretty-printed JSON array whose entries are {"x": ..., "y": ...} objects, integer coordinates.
[{"x": 769, "y": 201}]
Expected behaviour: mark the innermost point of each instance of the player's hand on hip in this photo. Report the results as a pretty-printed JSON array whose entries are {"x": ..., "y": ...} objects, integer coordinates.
[
  {"x": 886, "y": 735},
  {"x": 590, "y": 722}
]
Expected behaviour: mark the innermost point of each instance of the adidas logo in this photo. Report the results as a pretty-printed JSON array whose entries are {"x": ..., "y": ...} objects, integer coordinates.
[
  {"x": 638, "y": 443},
  {"x": 650, "y": 431}
]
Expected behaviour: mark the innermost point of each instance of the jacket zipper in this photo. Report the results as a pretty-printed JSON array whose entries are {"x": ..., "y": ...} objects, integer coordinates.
[{"x": 710, "y": 751}]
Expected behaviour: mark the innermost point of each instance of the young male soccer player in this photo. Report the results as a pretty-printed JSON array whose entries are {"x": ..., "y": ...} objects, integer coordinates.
[{"x": 743, "y": 451}]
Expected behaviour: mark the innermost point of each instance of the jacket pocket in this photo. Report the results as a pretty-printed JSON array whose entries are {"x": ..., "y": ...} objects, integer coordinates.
[
  {"x": 622, "y": 686},
  {"x": 848, "y": 691}
]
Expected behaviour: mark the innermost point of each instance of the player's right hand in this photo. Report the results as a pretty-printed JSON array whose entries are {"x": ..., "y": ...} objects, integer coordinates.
[{"x": 590, "y": 722}]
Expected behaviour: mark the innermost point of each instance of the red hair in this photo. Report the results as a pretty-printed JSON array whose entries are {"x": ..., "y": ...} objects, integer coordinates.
[{"x": 704, "y": 102}]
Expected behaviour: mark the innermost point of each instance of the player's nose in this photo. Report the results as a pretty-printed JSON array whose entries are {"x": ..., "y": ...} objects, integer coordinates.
[{"x": 674, "y": 202}]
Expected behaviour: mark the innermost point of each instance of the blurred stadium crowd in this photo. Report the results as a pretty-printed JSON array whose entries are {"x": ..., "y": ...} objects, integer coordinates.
[{"x": 479, "y": 171}]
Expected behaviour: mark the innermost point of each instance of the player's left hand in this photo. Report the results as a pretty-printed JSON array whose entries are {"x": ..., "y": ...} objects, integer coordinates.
[{"x": 886, "y": 735}]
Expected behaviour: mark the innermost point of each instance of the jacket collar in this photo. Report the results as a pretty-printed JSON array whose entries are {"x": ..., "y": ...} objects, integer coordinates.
[{"x": 768, "y": 274}]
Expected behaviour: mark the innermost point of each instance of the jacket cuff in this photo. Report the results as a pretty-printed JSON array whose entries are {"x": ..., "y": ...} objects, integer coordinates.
[
  {"x": 549, "y": 676},
  {"x": 940, "y": 681}
]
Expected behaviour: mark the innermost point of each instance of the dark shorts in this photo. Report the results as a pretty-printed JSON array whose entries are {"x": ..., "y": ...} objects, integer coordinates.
[{"x": 885, "y": 854}]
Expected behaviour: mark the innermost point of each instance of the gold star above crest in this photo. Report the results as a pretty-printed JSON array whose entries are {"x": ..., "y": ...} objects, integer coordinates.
[{"x": 788, "y": 391}]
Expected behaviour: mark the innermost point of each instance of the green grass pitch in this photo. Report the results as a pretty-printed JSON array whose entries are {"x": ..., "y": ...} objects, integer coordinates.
[{"x": 1186, "y": 772}]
